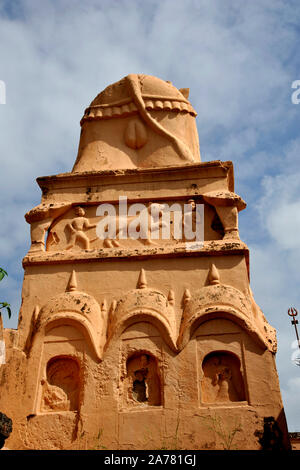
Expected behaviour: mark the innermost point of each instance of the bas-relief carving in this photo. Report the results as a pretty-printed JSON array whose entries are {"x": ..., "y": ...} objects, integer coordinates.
[
  {"x": 151, "y": 214},
  {"x": 135, "y": 134},
  {"x": 227, "y": 205},
  {"x": 222, "y": 223},
  {"x": 73, "y": 234},
  {"x": 222, "y": 379},
  {"x": 40, "y": 219},
  {"x": 77, "y": 229}
]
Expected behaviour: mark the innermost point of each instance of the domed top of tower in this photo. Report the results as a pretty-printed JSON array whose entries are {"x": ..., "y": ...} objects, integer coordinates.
[
  {"x": 139, "y": 121},
  {"x": 151, "y": 89}
]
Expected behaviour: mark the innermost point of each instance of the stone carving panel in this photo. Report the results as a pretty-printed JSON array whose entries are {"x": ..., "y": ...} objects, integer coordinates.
[
  {"x": 151, "y": 223},
  {"x": 78, "y": 228},
  {"x": 73, "y": 231}
]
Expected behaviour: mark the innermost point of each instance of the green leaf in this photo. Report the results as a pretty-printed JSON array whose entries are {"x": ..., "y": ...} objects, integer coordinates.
[
  {"x": 4, "y": 304},
  {"x": 7, "y": 306},
  {"x": 2, "y": 274}
]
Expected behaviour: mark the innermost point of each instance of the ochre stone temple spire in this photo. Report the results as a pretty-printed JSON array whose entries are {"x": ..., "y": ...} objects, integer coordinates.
[
  {"x": 138, "y": 122},
  {"x": 141, "y": 335}
]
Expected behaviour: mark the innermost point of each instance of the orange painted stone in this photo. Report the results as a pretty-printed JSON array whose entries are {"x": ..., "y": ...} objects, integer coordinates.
[{"x": 139, "y": 342}]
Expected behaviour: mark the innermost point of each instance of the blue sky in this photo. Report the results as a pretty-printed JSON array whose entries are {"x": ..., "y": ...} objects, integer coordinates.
[{"x": 239, "y": 59}]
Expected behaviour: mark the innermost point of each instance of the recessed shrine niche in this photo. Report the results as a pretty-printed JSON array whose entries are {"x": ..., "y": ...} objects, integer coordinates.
[
  {"x": 222, "y": 379},
  {"x": 143, "y": 383},
  {"x": 62, "y": 385}
]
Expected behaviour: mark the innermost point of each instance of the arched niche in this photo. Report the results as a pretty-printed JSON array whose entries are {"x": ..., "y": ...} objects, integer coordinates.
[
  {"x": 222, "y": 380},
  {"x": 59, "y": 347},
  {"x": 143, "y": 380},
  {"x": 69, "y": 333},
  {"x": 61, "y": 387}
]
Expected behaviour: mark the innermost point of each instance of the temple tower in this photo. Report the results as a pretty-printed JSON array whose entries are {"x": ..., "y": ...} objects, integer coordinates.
[{"x": 138, "y": 328}]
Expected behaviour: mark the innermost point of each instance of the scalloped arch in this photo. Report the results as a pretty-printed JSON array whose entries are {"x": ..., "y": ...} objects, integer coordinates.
[
  {"x": 143, "y": 315},
  {"x": 219, "y": 301}
]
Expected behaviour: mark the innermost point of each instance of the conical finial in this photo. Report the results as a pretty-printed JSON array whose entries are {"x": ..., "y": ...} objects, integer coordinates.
[
  {"x": 186, "y": 297},
  {"x": 142, "y": 282},
  {"x": 213, "y": 275},
  {"x": 72, "y": 284},
  {"x": 171, "y": 297}
]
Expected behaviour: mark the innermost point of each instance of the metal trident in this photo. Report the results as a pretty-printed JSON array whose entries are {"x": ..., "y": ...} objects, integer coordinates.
[{"x": 292, "y": 312}]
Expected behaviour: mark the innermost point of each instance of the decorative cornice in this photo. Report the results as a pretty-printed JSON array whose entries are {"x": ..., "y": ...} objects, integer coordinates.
[
  {"x": 210, "y": 248},
  {"x": 127, "y": 107},
  {"x": 190, "y": 175}
]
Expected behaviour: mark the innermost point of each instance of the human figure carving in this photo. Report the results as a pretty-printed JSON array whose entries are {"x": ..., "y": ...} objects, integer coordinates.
[
  {"x": 222, "y": 379},
  {"x": 77, "y": 227}
]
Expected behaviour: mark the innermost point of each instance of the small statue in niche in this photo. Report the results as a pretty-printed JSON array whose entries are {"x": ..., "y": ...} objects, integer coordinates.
[
  {"x": 222, "y": 381},
  {"x": 77, "y": 227}
]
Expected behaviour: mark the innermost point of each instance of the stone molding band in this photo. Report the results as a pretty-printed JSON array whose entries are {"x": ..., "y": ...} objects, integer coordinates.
[{"x": 128, "y": 108}]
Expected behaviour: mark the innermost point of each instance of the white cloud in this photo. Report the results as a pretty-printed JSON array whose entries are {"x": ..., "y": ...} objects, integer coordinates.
[
  {"x": 284, "y": 224},
  {"x": 290, "y": 393}
]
